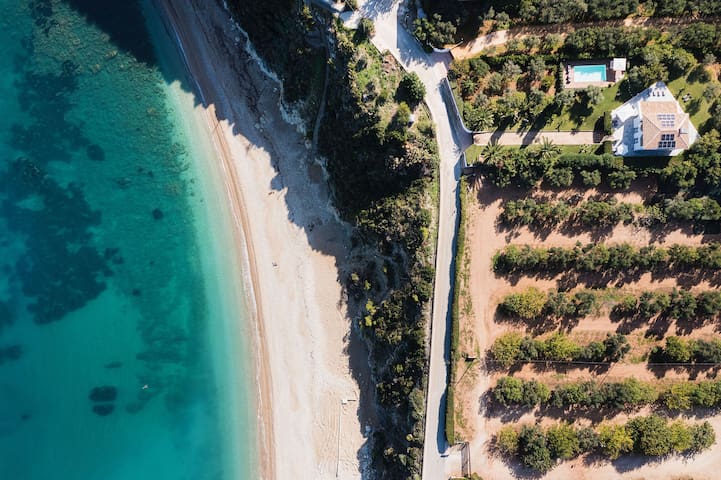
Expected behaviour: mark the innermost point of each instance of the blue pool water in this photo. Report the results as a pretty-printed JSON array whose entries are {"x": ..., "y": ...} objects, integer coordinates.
[
  {"x": 589, "y": 73},
  {"x": 122, "y": 352}
]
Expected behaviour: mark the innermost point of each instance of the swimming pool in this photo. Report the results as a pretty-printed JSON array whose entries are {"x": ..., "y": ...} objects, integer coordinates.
[{"x": 589, "y": 73}]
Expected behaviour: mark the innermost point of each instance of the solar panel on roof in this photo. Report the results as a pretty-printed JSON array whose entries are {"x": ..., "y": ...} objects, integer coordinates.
[
  {"x": 667, "y": 120},
  {"x": 668, "y": 141}
]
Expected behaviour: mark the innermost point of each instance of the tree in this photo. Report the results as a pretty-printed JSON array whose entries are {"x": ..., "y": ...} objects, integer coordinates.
[
  {"x": 537, "y": 68},
  {"x": 535, "y": 393},
  {"x": 478, "y": 119},
  {"x": 563, "y": 441},
  {"x": 413, "y": 87},
  {"x": 533, "y": 449},
  {"x": 532, "y": 42},
  {"x": 548, "y": 150},
  {"x": 495, "y": 83},
  {"x": 506, "y": 349},
  {"x": 709, "y": 302},
  {"x": 651, "y": 435},
  {"x": 679, "y": 396},
  {"x": 588, "y": 439},
  {"x": 621, "y": 179},
  {"x": 527, "y": 304},
  {"x": 707, "y": 394},
  {"x": 680, "y": 174},
  {"x": 681, "y": 437},
  {"x": 616, "y": 347},
  {"x": 559, "y": 347},
  {"x": 678, "y": 350},
  {"x": 507, "y": 441},
  {"x": 711, "y": 92},
  {"x": 561, "y": 177},
  {"x": 615, "y": 440},
  {"x": 510, "y": 70},
  {"x": 434, "y": 31},
  {"x": 508, "y": 391},
  {"x": 594, "y": 95},
  {"x": 703, "y": 436},
  {"x": 366, "y": 28},
  {"x": 564, "y": 98}
]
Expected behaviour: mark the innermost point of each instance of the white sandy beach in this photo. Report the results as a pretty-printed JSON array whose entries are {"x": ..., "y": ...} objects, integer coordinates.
[{"x": 292, "y": 241}]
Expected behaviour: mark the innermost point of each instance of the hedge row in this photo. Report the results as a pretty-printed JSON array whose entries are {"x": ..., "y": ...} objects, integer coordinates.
[
  {"x": 678, "y": 304},
  {"x": 591, "y": 394},
  {"x": 540, "y": 449},
  {"x": 606, "y": 213},
  {"x": 680, "y": 350},
  {"x": 598, "y": 257},
  {"x": 526, "y": 167},
  {"x": 512, "y": 348}
]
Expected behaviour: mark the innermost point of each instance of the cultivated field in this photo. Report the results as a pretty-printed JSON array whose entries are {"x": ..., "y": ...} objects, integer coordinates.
[{"x": 479, "y": 416}]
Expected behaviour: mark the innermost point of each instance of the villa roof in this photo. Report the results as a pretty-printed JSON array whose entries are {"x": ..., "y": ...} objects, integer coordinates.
[
  {"x": 665, "y": 125},
  {"x": 652, "y": 123}
]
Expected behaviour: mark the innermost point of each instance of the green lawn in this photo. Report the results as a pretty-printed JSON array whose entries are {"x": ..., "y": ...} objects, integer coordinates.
[
  {"x": 580, "y": 118},
  {"x": 697, "y": 107},
  {"x": 472, "y": 154},
  {"x": 474, "y": 151}
]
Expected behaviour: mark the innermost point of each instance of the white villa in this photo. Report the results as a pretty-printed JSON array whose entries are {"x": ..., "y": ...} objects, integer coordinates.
[{"x": 652, "y": 123}]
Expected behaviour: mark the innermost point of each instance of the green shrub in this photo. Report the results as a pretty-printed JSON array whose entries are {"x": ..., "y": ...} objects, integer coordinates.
[
  {"x": 533, "y": 449},
  {"x": 507, "y": 441},
  {"x": 563, "y": 441},
  {"x": 615, "y": 440},
  {"x": 413, "y": 88},
  {"x": 527, "y": 304}
]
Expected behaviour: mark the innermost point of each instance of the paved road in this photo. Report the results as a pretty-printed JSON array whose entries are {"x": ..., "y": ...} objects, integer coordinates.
[
  {"x": 535, "y": 136},
  {"x": 452, "y": 141}
]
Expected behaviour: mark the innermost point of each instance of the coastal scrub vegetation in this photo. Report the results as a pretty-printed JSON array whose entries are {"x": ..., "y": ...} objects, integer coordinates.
[
  {"x": 280, "y": 31},
  {"x": 381, "y": 157},
  {"x": 382, "y": 164}
]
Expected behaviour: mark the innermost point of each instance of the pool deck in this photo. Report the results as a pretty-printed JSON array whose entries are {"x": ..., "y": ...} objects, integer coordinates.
[{"x": 570, "y": 82}]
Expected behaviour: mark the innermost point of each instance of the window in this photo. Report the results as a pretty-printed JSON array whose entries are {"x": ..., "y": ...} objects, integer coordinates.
[
  {"x": 667, "y": 142},
  {"x": 667, "y": 120}
]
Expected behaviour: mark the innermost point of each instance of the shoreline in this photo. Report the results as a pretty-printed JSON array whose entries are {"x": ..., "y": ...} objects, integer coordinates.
[
  {"x": 263, "y": 374},
  {"x": 296, "y": 249}
]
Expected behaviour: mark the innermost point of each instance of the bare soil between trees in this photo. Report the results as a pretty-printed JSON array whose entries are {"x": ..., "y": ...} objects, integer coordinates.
[{"x": 477, "y": 418}]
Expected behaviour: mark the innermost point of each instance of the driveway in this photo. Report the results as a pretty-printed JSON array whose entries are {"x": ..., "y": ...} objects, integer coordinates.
[{"x": 536, "y": 136}]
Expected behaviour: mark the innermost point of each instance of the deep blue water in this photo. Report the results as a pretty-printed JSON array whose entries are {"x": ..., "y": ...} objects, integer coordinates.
[{"x": 115, "y": 361}]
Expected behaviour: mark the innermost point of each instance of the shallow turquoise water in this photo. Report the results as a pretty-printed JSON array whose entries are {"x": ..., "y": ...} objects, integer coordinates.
[{"x": 122, "y": 352}]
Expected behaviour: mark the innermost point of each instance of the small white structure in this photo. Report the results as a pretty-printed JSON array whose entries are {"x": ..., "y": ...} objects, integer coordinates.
[
  {"x": 618, "y": 64},
  {"x": 652, "y": 123}
]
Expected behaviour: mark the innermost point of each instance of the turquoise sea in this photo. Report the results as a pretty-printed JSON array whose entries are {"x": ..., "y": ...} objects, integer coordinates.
[{"x": 124, "y": 344}]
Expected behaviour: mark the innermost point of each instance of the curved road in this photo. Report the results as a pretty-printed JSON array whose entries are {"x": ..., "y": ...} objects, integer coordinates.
[{"x": 452, "y": 141}]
